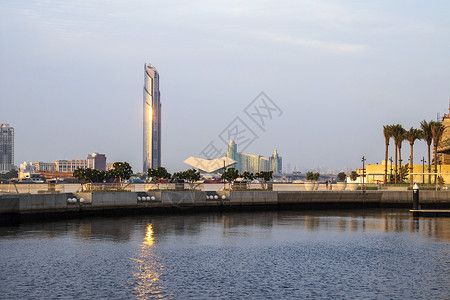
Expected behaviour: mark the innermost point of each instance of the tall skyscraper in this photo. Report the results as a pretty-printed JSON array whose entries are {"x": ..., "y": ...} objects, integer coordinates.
[
  {"x": 6, "y": 148},
  {"x": 152, "y": 118}
]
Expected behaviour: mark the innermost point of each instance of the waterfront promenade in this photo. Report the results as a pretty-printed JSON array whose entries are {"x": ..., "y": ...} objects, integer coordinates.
[{"x": 26, "y": 204}]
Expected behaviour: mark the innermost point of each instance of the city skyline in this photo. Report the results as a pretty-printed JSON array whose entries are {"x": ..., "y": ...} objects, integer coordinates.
[
  {"x": 151, "y": 119},
  {"x": 337, "y": 70}
]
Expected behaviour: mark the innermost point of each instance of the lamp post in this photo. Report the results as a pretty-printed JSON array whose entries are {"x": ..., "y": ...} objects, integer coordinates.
[
  {"x": 363, "y": 170},
  {"x": 390, "y": 176},
  {"x": 416, "y": 196},
  {"x": 411, "y": 171},
  {"x": 423, "y": 169}
]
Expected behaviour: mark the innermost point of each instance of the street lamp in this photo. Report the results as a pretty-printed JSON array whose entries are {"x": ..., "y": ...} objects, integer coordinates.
[
  {"x": 363, "y": 169},
  {"x": 423, "y": 169},
  {"x": 391, "y": 160}
]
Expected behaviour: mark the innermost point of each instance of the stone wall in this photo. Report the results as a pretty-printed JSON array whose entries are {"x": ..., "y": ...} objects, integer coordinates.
[{"x": 58, "y": 202}]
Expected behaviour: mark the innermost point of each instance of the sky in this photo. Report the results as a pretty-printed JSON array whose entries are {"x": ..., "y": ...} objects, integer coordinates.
[{"x": 333, "y": 72}]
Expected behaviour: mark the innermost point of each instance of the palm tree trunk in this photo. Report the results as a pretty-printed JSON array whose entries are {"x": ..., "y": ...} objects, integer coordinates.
[
  {"x": 396, "y": 147},
  {"x": 429, "y": 163},
  {"x": 435, "y": 164},
  {"x": 411, "y": 167},
  {"x": 385, "y": 163},
  {"x": 400, "y": 160}
]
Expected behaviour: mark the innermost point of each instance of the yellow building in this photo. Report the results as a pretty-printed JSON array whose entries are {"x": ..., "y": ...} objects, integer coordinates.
[
  {"x": 375, "y": 173},
  {"x": 444, "y": 142}
]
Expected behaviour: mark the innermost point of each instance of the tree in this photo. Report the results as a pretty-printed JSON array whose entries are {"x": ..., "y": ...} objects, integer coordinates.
[
  {"x": 353, "y": 176},
  {"x": 388, "y": 133},
  {"x": 191, "y": 176},
  {"x": 411, "y": 136},
  {"x": 264, "y": 176},
  {"x": 249, "y": 177},
  {"x": 436, "y": 130},
  {"x": 89, "y": 175},
  {"x": 122, "y": 171},
  {"x": 310, "y": 176},
  {"x": 404, "y": 172},
  {"x": 398, "y": 135},
  {"x": 13, "y": 173},
  {"x": 156, "y": 175},
  {"x": 428, "y": 137},
  {"x": 342, "y": 176},
  {"x": 80, "y": 174},
  {"x": 316, "y": 176},
  {"x": 177, "y": 176},
  {"x": 230, "y": 175}
]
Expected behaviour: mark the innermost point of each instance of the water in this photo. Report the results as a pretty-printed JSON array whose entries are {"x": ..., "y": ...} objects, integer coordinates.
[{"x": 260, "y": 255}]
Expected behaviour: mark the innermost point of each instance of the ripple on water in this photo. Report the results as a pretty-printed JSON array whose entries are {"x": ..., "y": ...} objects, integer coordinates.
[{"x": 254, "y": 256}]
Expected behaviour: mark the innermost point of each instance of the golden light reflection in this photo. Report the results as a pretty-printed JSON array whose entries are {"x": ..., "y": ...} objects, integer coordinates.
[
  {"x": 148, "y": 240},
  {"x": 150, "y": 113},
  {"x": 148, "y": 269}
]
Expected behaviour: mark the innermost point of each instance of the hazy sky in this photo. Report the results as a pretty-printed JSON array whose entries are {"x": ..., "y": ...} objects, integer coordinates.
[{"x": 71, "y": 75}]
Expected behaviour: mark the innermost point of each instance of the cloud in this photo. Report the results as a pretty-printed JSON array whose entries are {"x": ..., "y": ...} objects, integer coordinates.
[{"x": 318, "y": 44}]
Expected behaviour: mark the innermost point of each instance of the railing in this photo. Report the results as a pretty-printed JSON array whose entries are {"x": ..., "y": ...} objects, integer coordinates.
[{"x": 12, "y": 188}]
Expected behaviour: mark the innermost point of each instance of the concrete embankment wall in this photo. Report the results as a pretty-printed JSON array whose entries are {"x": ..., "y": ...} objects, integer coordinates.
[{"x": 25, "y": 204}]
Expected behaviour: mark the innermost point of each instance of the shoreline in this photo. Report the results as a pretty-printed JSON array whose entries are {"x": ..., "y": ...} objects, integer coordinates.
[{"x": 24, "y": 207}]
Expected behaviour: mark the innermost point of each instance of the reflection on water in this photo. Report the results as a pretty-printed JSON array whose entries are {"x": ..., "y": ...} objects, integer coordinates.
[
  {"x": 122, "y": 229},
  {"x": 281, "y": 254},
  {"x": 148, "y": 240},
  {"x": 148, "y": 269}
]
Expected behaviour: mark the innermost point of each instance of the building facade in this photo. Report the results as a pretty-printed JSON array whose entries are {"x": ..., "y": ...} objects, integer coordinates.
[
  {"x": 44, "y": 166},
  {"x": 152, "y": 119},
  {"x": 6, "y": 148},
  {"x": 254, "y": 163},
  {"x": 96, "y": 161},
  {"x": 70, "y": 165}
]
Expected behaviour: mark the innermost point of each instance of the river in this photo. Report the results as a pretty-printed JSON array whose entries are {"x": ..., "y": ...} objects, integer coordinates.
[{"x": 361, "y": 254}]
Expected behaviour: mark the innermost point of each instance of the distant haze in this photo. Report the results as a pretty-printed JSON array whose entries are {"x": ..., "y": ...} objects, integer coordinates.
[{"x": 71, "y": 75}]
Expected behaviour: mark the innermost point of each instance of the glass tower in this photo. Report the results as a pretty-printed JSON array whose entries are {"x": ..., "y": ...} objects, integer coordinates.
[
  {"x": 254, "y": 163},
  {"x": 152, "y": 118},
  {"x": 6, "y": 148}
]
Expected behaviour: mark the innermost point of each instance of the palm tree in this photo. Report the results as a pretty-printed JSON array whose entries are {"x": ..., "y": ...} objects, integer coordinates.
[
  {"x": 398, "y": 135},
  {"x": 436, "y": 130},
  {"x": 401, "y": 139},
  {"x": 428, "y": 137},
  {"x": 411, "y": 136},
  {"x": 388, "y": 133}
]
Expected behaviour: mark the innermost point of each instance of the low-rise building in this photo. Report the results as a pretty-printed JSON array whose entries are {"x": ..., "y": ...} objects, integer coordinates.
[
  {"x": 44, "y": 166},
  {"x": 70, "y": 165},
  {"x": 375, "y": 173}
]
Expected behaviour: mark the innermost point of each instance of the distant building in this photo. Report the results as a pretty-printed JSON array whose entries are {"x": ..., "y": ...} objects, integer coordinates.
[
  {"x": 6, "y": 148},
  {"x": 254, "y": 163},
  {"x": 152, "y": 119},
  {"x": 44, "y": 166},
  {"x": 27, "y": 167},
  {"x": 109, "y": 166},
  {"x": 70, "y": 165},
  {"x": 216, "y": 165},
  {"x": 96, "y": 161}
]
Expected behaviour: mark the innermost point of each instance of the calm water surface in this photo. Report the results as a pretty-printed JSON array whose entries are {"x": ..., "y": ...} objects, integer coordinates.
[{"x": 260, "y": 255}]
